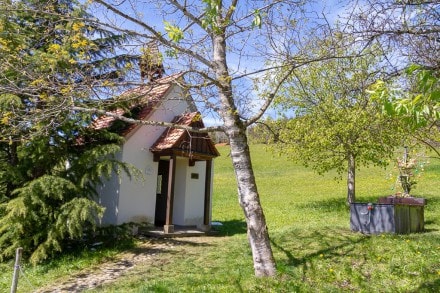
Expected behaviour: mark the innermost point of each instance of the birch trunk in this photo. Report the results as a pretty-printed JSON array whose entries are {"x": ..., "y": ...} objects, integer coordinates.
[
  {"x": 351, "y": 197},
  {"x": 258, "y": 236}
]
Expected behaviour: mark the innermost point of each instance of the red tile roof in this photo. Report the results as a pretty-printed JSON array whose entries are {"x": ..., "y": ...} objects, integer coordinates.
[
  {"x": 146, "y": 97},
  {"x": 187, "y": 143},
  {"x": 142, "y": 100}
]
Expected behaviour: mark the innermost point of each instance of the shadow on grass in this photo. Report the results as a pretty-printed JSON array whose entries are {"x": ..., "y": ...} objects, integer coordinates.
[
  {"x": 232, "y": 227},
  {"x": 428, "y": 226},
  {"x": 333, "y": 244},
  {"x": 86, "y": 251},
  {"x": 431, "y": 200},
  {"x": 152, "y": 246},
  {"x": 307, "y": 254},
  {"x": 327, "y": 205},
  {"x": 433, "y": 286}
]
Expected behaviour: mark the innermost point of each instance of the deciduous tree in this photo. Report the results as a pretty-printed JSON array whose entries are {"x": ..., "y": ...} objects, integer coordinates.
[
  {"x": 222, "y": 48},
  {"x": 409, "y": 32},
  {"x": 417, "y": 104},
  {"x": 335, "y": 123}
]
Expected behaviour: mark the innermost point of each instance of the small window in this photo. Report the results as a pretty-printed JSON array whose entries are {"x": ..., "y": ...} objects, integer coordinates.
[{"x": 194, "y": 175}]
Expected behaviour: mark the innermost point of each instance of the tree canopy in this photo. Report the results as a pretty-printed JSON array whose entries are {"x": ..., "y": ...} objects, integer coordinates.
[
  {"x": 409, "y": 32},
  {"x": 61, "y": 60},
  {"x": 51, "y": 57},
  {"x": 416, "y": 105},
  {"x": 335, "y": 124},
  {"x": 50, "y": 159}
]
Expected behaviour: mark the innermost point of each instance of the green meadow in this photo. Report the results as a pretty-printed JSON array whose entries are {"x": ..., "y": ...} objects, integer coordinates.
[{"x": 308, "y": 222}]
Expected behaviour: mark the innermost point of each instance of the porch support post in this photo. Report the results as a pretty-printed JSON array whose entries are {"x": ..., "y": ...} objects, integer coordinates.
[
  {"x": 207, "y": 205},
  {"x": 169, "y": 227}
]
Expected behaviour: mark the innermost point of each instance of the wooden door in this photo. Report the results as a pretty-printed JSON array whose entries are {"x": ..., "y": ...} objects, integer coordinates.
[{"x": 161, "y": 193}]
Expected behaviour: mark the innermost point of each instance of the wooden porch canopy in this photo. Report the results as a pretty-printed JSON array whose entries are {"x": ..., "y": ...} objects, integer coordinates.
[
  {"x": 184, "y": 143},
  {"x": 176, "y": 142}
]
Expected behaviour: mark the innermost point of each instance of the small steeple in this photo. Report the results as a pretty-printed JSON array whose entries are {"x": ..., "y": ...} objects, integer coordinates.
[{"x": 150, "y": 63}]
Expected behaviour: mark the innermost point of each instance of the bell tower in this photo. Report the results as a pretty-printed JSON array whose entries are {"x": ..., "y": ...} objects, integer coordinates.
[{"x": 150, "y": 64}]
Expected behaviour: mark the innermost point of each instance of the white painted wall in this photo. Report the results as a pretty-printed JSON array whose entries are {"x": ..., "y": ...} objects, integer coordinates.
[
  {"x": 137, "y": 201},
  {"x": 109, "y": 198},
  {"x": 138, "y": 197},
  {"x": 195, "y": 195},
  {"x": 131, "y": 200}
]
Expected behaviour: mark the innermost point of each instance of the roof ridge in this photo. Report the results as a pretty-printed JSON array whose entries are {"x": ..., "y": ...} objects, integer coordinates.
[{"x": 147, "y": 99}]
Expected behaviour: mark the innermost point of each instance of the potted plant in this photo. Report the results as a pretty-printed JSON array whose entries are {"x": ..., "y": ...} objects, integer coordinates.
[
  {"x": 406, "y": 168},
  {"x": 406, "y": 181}
]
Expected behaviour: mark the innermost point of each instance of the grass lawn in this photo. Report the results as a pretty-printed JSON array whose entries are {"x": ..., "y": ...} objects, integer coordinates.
[{"x": 309, "y": 227}]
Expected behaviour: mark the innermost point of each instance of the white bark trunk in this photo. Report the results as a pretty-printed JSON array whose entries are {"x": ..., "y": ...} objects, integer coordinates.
[
  {"x": 258, "y": 236},
  {"x": 351, "y": 196}
]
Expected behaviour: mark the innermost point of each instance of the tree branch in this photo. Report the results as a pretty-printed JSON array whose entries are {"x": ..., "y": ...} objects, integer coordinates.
[
  {"x": 190, "y": 15},
  {"x": 269, "y": 99},
  {"x": 147, "y": 122},
  {"x": 155, "y": 33}
]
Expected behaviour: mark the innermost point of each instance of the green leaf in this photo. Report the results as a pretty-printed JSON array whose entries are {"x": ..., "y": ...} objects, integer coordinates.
[
  {"x": 8, "y": 101},
  {"x": 389, "y": 107},
  {"x": 257, "y": 19},
  {"x": 174, "y": 33},
  {"x": 412, "y": 68}
]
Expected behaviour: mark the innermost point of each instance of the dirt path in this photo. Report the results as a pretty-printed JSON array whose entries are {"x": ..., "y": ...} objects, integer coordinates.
[{"x": 110, "y": 271}]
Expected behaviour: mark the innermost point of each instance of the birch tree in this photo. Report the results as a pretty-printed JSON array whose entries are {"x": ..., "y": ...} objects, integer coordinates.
[{"x": 222, "y": 48}]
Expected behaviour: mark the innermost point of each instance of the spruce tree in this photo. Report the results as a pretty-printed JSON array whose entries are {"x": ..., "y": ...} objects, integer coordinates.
[{"x": 52, "y": 55}]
